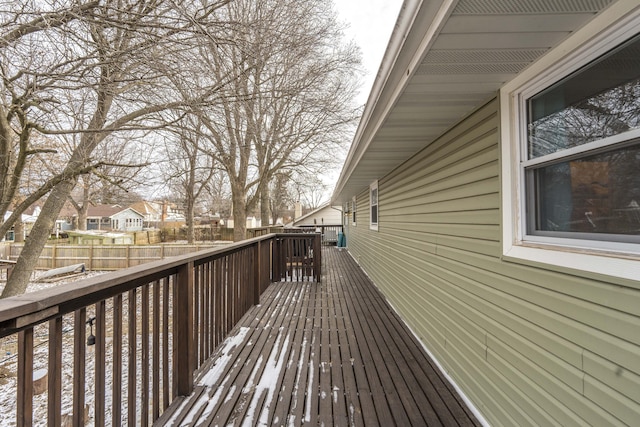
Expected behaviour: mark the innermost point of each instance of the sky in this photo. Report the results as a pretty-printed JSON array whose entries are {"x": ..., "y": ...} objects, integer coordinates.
[{"x": 370, "y": 23}]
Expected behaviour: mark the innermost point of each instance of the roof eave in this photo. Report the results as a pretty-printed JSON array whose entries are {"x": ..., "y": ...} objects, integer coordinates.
[{"x": 401, "y": 58}]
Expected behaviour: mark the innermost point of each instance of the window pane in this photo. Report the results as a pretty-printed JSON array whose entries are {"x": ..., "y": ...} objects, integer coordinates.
[
  {"x": 594, "y": 194},
  {"x": 374, "y": 196},
  {"x": 374, "y": 214},
  {"x": 597, "y": 101}
]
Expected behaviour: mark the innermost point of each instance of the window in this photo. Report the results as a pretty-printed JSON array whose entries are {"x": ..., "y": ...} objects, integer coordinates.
[
  {"x": 571, "y": 129},
  {"x": 373, "y": 204},
  {"x": 582, "y": 159},
  {"x": 353, "y": 210}
]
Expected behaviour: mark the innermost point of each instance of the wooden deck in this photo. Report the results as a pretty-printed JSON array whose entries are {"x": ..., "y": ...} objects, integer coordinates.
[{"x": 329, "y": 353}]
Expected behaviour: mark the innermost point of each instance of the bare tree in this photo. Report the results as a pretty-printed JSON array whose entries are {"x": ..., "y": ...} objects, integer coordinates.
[
  {"x": 190, "y": 170},
  {"x": 111, "y": 56},
  {"x": 122, "y": 160},
  {"x": 312, "y": 191},
  {"x": 218, "y": 199},
  {"x": 281, "y": 196},
  {"x": 291, "y": 104}
]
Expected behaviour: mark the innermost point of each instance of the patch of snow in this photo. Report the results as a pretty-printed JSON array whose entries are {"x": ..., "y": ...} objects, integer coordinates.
[
  {"x": 307, "y": 417},
  {"x": 225, "y": 356},
  {"x": 269, "y": 379},
  {"x": 201, "y": 401}
]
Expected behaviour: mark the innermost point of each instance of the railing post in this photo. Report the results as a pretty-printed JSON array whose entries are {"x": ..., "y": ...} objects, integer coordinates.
[{"x": 183, "y": 334}]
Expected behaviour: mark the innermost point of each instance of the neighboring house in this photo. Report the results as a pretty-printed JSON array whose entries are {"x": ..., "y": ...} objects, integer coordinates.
[
  {"x": 492, "y": 193},
  {"x": 324, "y": 215},
  {"x": 27, "y": 220},
  {"x": 127, "y": 220},
  {"x": 67, "y": 219},
  {"x": 114, "y": 217},
  {"x": 152, "y": 212}
]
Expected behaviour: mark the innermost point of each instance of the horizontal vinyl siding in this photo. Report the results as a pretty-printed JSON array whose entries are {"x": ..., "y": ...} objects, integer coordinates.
[{"x": 528, "y": 345}]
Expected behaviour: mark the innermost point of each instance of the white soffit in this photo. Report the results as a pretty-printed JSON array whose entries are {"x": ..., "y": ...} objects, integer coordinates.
[{"x": 482, "y": 45}]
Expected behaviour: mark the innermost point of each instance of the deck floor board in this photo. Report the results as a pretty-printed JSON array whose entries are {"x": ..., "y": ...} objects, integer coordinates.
[{"x": 329, "y": 353}]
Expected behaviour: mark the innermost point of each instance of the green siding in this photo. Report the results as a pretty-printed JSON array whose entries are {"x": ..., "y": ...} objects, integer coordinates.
[{"x": 528, "y": 344}]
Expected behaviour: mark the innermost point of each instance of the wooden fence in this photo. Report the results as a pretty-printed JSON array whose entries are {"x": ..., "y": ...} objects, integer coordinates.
[
  {"x": 107, "y": 257},
  {"x": 131, "y": 341}
]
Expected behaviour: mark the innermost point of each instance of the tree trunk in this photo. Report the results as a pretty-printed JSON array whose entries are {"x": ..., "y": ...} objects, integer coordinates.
[
  {"x": 84, "y": 208},
  {"x": 239, "y": 218},
  {"x": 18, "y": 232},
  {"x": 264, "y": 207},
  {"x": 26, "y": 263},
  {"x": 191, "y": 233}
]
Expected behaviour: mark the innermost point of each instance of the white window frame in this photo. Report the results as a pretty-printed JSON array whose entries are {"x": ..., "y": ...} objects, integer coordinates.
[
  {"x": 604, "y": 257},
  {"x": 353, "y": 210},
  {"x": 372, "y": 187}
]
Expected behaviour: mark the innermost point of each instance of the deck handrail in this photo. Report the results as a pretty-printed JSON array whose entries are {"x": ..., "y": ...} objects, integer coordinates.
[{"x": 184, "y": 308}]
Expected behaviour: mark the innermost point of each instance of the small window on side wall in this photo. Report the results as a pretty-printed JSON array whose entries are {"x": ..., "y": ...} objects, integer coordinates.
[
  {"x": 373, "y": 205},
  {"x": 353, "y": 210}
]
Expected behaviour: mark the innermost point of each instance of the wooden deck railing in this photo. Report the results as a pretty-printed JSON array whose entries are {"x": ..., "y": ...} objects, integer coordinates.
[
  {"x": 125, "y": 345},
  {"x": 329, "y": 232}
]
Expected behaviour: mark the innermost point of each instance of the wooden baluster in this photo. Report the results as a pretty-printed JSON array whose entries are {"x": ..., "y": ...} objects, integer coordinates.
[
  {"x": 165, "y": 344},
  {"x": 116, "y": 401},
  {"x": 228, "y": 290},
  {"x": 275, "y": 260},
  {"x": 218, "y": 293},
  {"x": 198, "y": 319},
  {"x": 257, "y": 279},
  {"x": 210, "y": 334},
  {"x": 156, "y": 350},
  {"x": 235, "y": 265},
  {"x": 237, "y": 286},
  {"x": 24, "y": 413},
  {"x": 290, "y": 257},
  {"x": 55, "y": 372},
  {"x": 317, "y": 260},
  {"x": 174, "y": 339},
  {"x": 132, "y": 368},
  {"x": 99, "y": 365},
  {"x": 144, "y": 398},
  {"x": 80, "y": 336}
]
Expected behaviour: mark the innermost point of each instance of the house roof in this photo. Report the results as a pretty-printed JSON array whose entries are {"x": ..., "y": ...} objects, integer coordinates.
[
  {"x": 107, "y": 211},
  {"x": 313, "y": 212},
  {"x": 146, "y": 208},
  {"x": 445, "y": 59},
  {"x": 103, "y": 211}
]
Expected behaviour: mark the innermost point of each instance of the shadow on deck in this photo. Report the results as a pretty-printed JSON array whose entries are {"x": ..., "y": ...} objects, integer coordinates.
[{"x": 329, "y": 353}]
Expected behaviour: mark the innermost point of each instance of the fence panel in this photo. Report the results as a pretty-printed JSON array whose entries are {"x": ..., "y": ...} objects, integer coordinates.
[{"x": 110, "y": 257}]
